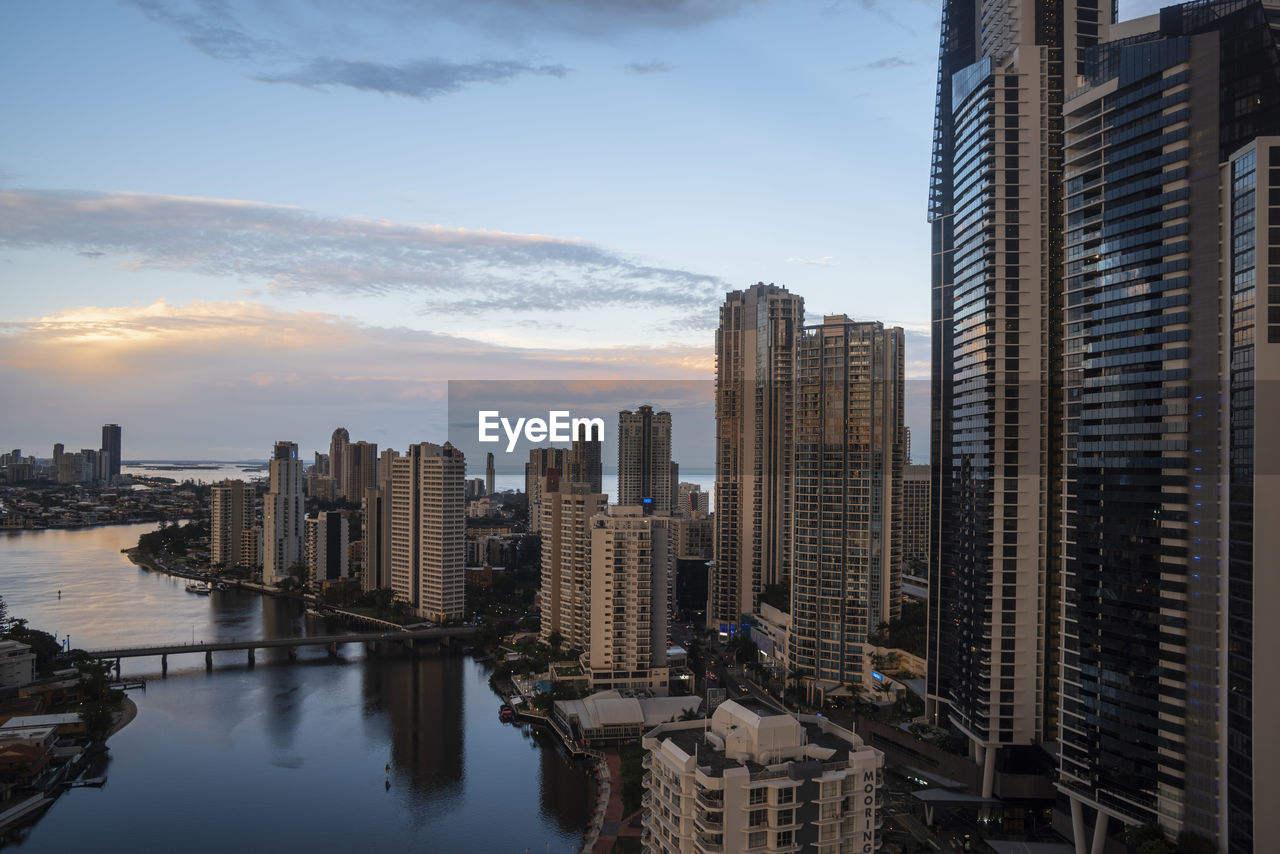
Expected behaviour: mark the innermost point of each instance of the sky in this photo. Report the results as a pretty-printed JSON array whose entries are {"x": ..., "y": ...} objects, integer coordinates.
[{"x": 229, "y": 222}]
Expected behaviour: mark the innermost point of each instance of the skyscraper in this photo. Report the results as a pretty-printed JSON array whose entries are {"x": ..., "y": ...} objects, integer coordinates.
[
  {"x": 915, "y": 517},
  {"x": 849, "y": 446},
  {"x": 428, "y": 517},
  {"x": 996, "y": 213},
  {"x": 375, "y": 539},
  {"x": 489, "y": 474},
  {"x": 109, "y": 458},
  {"x": 632, "y": 566},
  {"x": 644, "y": 459},
  {"x": 360, "y": 469},
  {"x": 755, "y": 354},
  {"x": 541, "y": 461},
  {"x": 338, "y": 458},
  {"x": 282, "y": 514},
  {"x": 1172, "y": 203},
  {"x": 582, "y": 462},
  {"x": 567, "y": 511},
  {"x": 231, "y": 516},
  {"x": 327, "y": 540}
]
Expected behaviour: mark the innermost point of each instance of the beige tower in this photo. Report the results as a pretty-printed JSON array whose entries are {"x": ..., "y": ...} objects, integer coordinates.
[
  {"x": 849, "y": 445},
  {"x": 755, "y": 355},
  {"x": 631, "y": 568},
  {"x": 428, "y": 516},
  {"x": 282, "y": 515},
  {"x": 361, "y": 469},
  {"x": 567, "y": 510},
  {"x": 644, "y": 459}
]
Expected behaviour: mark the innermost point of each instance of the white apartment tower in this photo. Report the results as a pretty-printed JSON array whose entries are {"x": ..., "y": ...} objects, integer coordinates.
[
  {"x": 428, "y": 517},
  {"x": 282, "y": 514},
  {"x": 567, "y": 510},
  {"x": 630, "y": 592},
  {"x": 760, "y": 780}
]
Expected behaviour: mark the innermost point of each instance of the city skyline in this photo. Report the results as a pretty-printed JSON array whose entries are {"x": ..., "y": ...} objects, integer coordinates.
[{"x": 176, "y": 258}]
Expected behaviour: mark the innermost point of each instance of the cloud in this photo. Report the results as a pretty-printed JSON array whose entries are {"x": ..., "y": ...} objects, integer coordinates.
[
  {"x": 597, "y": 18},
  {"x": 824, "y": 261},
  {"x": 294, "y": 250},
  {"x": 654, "y": 67},
  {"x": 425, "y": 80},
  {"x": 210, "y": 26},
  {"x": 886, "y": 63},
  {"x": 328, "y": 43},
  {"x": 183, "y": 378}
]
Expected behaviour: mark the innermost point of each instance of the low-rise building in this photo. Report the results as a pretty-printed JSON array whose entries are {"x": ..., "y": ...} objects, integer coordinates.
[
  {"x": 758, "y": 780},
  {"x": 17, "y": 664}
]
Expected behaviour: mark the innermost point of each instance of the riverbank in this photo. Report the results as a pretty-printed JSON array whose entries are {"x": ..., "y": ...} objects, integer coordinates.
[{"x": 128, "y": 711}]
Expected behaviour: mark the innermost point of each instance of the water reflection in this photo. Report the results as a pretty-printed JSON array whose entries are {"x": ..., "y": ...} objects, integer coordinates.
[
  {"x": 283, "y": 755},
  {"x": 422, "y": 695}
]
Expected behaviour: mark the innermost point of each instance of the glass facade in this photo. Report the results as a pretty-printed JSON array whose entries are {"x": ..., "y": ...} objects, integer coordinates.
[{"x": 1159, "y": 397}]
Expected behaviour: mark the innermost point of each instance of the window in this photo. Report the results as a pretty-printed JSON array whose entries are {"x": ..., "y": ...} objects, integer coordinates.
[
  {"x": 757, "y": 796},
  {"x": 787, "y": 795},
  {"x": 786, "y": 817},
  {"x": 757, "y": 818},
  {"x": 784, "y": 839},
  {"x": 757, "y": 839}
]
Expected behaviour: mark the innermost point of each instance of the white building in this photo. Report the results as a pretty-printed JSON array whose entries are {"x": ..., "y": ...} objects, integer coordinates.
[
  {"x": 630, "y": 594},
  {"x": 567, "y": 510},
  {"x": 282, "y": 515},
  {"x": 428, "y": 552},
  {"x": 758, "y": 780},
  {"x": 17, "y": 664}
]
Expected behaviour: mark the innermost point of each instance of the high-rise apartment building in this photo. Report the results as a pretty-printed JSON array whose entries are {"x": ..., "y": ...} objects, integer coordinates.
[
  {"x": 428, "y": 520},
  {"x": 755, "y": 779},
  {"x": 360, "y": 469},
  {"x": 582, "y": 463},
  {"x": 567, "y": 510},
  {"x": 338, "y": 458},
  {"x": 644, "y": 459},
  {"x": 846, "y": 578},
  {"x": 915, "y": 518},
  {"x": 490, "y": 475},
  {"x": 231, "y": 517},
  {"x": 282, "y": 514},
  {"x": 690, "y": 498},
  {"x": 1172, "y": 347},
  {"x": 375, "y": 538},
  {"x": 541, "y": 461},
  {"x": 632, "y": 573},
  {"x": 755, "y": 354},
  {"x": 996, "y": 212},
  {"x": 327, "y": 546},
  {"x": 109, "y": 457}
]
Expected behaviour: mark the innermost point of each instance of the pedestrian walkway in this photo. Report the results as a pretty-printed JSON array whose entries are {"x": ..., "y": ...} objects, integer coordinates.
[{"x": 615, "y": 824}]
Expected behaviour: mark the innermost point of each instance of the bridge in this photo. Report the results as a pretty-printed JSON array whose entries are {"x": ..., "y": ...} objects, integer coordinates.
[{"x": 406, "y": 638}]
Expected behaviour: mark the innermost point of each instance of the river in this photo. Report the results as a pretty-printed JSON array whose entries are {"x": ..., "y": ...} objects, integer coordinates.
[{"x": 281, "y": 756}]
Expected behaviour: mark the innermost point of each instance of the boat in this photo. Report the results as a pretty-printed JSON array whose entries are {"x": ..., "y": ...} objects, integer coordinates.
[
  {"x": 199, "y": 587},
  {"x": 506, "y": 713}
]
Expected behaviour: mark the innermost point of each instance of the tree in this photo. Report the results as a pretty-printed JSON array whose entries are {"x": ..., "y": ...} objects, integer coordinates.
[
  {"x": 4, "y": 615},
  {"x": 555, "y": 640}
]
